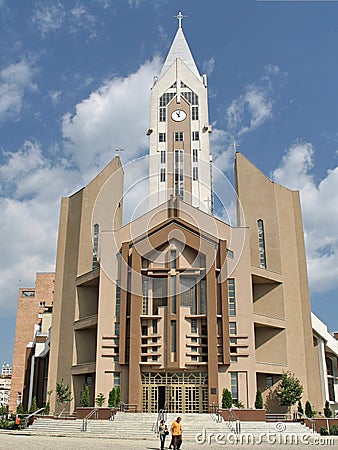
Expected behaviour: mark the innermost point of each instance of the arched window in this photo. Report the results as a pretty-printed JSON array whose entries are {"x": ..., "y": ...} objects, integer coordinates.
[{"x": 261, "y": 244}]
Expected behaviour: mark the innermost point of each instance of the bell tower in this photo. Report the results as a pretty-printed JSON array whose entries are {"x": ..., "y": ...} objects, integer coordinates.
[{"x": 180, "y": 159}]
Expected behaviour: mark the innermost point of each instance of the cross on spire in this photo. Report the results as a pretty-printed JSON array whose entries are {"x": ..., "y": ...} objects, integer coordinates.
[{"x": 180, "y": 16}]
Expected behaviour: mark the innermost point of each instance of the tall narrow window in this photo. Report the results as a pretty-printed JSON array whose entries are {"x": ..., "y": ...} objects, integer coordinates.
[
  {"x": 162, "y": 175},
  {"x": 195, "y": 155},
  {"x": 195, "y": 173},
  {"x": 261, "y": 244},
  {"x": 188, "y": 293},
  {"x": 194, "y": 113},
  {"x": 179, "y": 190},
  {"x": 234, "y": 385},
  {"x": 179, "y": 136},
  {"x": 173, "y": 294},
  {"x": 195, "y": 135},
  {"x": 145, "y": 299},
  {"x": 95, "y": 246},
  {"x": 118, "y": 285},
  {"x": 162, "y": 114},
  {"x": 203, "y": 296},
  {"x": 117, "y": 379},
  {"x": 163, "y": 157},
  {"x": 173, "y": 336},
  {"x": 193, "y": 326},
  {"x": 161, "y": 137},
  {"x": 231, "y": 297}
]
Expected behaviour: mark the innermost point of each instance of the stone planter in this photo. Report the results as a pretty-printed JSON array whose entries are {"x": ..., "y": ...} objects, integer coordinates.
[
  {"x": 246, "y": 415},
  {"x": 102, "y": 413}
]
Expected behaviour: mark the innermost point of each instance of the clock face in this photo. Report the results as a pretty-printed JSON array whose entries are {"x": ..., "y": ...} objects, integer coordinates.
[{"x": 178, "y": 115}]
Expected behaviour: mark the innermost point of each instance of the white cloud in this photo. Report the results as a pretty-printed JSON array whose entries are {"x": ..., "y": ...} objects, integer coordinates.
[
  {"x": 82, "y": 18},
  {"x": 54, "y": 97},
  {"x": 209, "y": 66},
  {"x": 15, "y": 81},
  {"x": 253, "y": 107},
  {"x": 48, "y": 17},
  {"x": 116, "y": 115},
  {"x": 320, "y": 213}
]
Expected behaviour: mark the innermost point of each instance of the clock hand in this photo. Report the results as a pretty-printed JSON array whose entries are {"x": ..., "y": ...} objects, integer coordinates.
[{"x": 178, "y": 113}]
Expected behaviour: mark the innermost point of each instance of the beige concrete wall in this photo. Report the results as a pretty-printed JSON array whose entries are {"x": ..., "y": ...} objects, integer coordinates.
[{"x": 279, "y": 208}]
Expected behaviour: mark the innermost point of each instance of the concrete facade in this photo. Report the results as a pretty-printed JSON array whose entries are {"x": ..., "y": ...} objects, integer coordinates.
[{"x": 178, "y": 305}]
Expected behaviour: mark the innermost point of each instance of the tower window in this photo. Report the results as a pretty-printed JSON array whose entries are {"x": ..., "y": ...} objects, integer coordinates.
[
  {"x": 179, "y": 136},
  {"x": 166, "y": 97},
  {"x": 162, "y": 175},
  {"x": 163, "y": 157},
  {"x": 195, "y": 155},
  {"x": 173, "y": 336},
  {"x": 161, "y": 137},
  {"x": 95, "y": 246},
  {"x": 195, "y": 173},
  {"x": 231, "y": 297},
  {"x": 194, "y": 113},
  {"x": 195, "y": 135},
  {"x": 179, "y": 190},
  {"x": 163, "y": 114},
  {"x": 145, "y": 299},
  {"x": 261, "y": 244}
]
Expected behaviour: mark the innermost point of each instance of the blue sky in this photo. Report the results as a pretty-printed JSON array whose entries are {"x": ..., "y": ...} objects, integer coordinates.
[{"x": 74, "y": 85}]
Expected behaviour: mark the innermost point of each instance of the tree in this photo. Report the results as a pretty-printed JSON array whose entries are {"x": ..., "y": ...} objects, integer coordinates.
[
  {"x": 112, "y": 398},
  {"x": 100, "y": 399},
  {"x": 84, "y": 400},
  {"x": 19, "y": 409},
  {"x": 118, "y": 396},
  {"x": 63, "y": 394},
  {"x": 327, "y": 410},
  {"x": 47, "y": 407},
  {"x": 289, "y": 390},
  {"x": 226, "y": 399},
  {"x": 33, "y": 406},
  {"x": 300, "y": 408},
  {"x": 259, "y": 400},
  {"x": 308, "y": 410}
]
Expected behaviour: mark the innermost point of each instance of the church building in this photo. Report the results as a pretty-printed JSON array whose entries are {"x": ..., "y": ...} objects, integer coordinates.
[{"x": 177, "y": 305}]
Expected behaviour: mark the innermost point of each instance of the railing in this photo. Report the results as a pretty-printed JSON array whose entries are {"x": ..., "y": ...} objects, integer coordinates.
[
  {"x": 88, "y": 416},
  {"x": 233, "y": 418},
  {"x": 162, "y": 415},
  {"x": 215, "y": 412},
  {"x": 278, "y": 417},
  {"x": 300, "y": 416},
  {"x": 25, "y": 421},
  {"x": 128, "y": 407}
]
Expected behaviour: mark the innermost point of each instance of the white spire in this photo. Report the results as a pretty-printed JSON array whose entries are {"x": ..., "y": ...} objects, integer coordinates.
[{"x": 180, "y": 49}]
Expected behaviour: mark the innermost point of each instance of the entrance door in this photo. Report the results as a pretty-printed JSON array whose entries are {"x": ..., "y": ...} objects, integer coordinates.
[{"x": 161, "y": 397}]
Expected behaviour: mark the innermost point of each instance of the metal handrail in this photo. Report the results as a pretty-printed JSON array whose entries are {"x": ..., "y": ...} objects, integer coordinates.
[
  {"x": 299, "y": 415},
  {"x": 88, "y": 416},
  {"x": 26, "y": 418},
  {"x": 162, "y": 415},
  {"x": 215, "y": 412},
  {"x": 233, "y": 415}
]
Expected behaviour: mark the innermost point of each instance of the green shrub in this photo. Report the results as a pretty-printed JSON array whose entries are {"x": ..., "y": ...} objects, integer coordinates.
[
  {"x": 84, "y": 400},
  {"x": 118, "y": 396},
  {"x": 259, "y": 400},
  {"x": 327, "y": 410},
  {"x": 100, "y": 399},
  {"x": 47, "y": 408},
  {"x": 33, "y": 406},
  {"x": 238, "y": 404},
  {"x": 19, "y": 409},
  {"x": 7, "y": 424},
  {"x": 334, "y": 430},
  {"x": 300, "y": 407},
  {"x": 112, "y": 398},
  {"x": 226, "y": 399},
  {"x": 308, "y": 410},
  {"x": 323, "y": 431}
]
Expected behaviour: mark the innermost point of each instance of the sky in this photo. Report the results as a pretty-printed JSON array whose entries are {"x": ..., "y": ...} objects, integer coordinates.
[{"x": 75, "y": 79}]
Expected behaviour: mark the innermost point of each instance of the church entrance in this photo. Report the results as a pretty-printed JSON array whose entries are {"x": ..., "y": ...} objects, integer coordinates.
[{"x": 175, "y": 392}]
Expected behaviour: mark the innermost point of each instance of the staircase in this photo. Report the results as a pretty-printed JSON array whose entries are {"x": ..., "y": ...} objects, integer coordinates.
[{"x": 141, "y": 426}]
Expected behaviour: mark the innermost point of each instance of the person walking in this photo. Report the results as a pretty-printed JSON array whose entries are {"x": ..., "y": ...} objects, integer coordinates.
[
  {"x": 176, "y": 429},
  {"x": 163, "y": 432}
]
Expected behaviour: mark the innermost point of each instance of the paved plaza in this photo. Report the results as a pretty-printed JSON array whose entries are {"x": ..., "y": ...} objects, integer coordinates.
[{"x": 15, "y": 441}]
